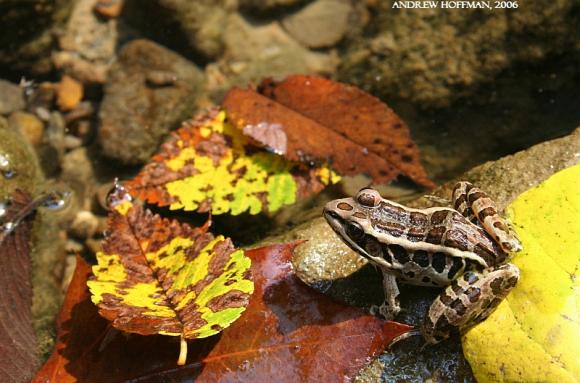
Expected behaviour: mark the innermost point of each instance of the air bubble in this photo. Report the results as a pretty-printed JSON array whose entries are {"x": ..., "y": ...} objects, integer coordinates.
[
  {"x": 6, "y": 166},
  {"x": 118, "y": 195},
  {"x": 57, "y": 200}
]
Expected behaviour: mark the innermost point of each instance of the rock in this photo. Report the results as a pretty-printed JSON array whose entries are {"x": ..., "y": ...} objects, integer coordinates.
[
  {"x": 327, "y": 264},
  {"x": 69, "y": 93},
  {"x": 136, "y": 113},
  {"x": 269, "y": 5},
  {"x": 433, "y": 57},
  {"x": 19, "y": 167},
  {"x": 320, "y": 24},
  {"x": 182, "y": 25},
  {"x": 28, "y": 30},
  {"x": 109, "y": 8},
  {"x": 88, "y": 45},
  {"x": 253, "y": 52},
  {"x": 11, "y": 98},
  {"x": 31, "y": 128}
]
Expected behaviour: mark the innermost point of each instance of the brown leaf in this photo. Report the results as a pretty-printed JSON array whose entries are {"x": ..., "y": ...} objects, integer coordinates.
[
  {"x": 327, "y": 121},
  {"x": 18, "y": 359},
  {"x": 289, "y": 333}
]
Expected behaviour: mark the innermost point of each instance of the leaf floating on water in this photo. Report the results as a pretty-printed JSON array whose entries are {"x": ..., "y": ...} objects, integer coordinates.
[
  {"x": 17, "y": 338},
  {"x": 289, "y": 333},
  {"x": 538, "y": 326},
  {"x": 209, "y": 165},
  {"x": 324, "y": 121},
  {"x": 157, "y": 276}
]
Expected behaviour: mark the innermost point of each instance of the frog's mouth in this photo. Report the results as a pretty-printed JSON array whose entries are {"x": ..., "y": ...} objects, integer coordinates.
[{"x": 337, "y": 223}]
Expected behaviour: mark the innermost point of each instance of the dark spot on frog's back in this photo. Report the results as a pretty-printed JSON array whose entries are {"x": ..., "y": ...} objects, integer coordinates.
[
  {"x": 418, "y": 219},
  {"x": 344, "y": 206},
  {"x": 458, "y": 306},
  {"x": 456, "y": 239},
  {"x": 399, "y": 253},
  {"x": 360, "y": 214},
  {"x": 416, "y": 234},
  {"x": 445, "y": 299},
  {"x": 438, "y": 217},
  {"x": 435, "y": 235},
  {"x": 473, "y": 293},
  {"x": 475, "y": 196},
  {"x": 495, "y": 285},
  {"x": 394, "y": 229}
]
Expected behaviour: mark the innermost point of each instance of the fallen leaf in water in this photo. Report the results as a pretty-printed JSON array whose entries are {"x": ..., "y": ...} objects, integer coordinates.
[
  {"x": 17, "y": 338},
  {"x": 537, "y": 327},
  {"x": 312, "y": 119},
  {"x": 289, "y": 333},
  {"x": 158, "y": 276},
  {"x": 209, "y": 165}
]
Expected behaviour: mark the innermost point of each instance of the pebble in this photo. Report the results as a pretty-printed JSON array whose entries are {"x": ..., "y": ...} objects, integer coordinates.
[
  {"x": 109, "y": 8},
  {"x": 11, "y": 98},
  {"x": 69, "y": 93},
  {"x": 30, "y": 126},
  {"x": 320, "y": 24}
]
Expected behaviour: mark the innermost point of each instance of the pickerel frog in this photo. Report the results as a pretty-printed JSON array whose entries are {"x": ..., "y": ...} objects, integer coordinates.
[{"x": 464, "y": 249}]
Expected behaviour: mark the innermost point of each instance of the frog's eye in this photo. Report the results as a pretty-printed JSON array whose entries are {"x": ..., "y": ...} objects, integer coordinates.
[
  {"x": 354, "y": 231},
  {"x": 368, "y": 197}
]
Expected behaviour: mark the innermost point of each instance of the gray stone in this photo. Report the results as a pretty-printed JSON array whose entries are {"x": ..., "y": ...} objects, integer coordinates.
[
  {"x": 320, "y": 24},
  {"x": 11, "y": 98},
  {"x": 149, "y": 92}
]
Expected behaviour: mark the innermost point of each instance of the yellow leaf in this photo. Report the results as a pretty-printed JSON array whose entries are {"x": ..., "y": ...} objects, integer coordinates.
[
  {"x": 534, "y": 335},
  {"x": 209, "y": 164},
  {"x": 157, "y": 276}
]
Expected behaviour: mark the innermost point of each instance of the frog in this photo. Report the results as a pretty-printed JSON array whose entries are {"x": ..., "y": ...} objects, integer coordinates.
[{"x": 463, "y": 250}]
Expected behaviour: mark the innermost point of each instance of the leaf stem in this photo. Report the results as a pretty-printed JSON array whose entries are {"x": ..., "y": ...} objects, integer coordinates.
[{"x": 182, "y": 351}]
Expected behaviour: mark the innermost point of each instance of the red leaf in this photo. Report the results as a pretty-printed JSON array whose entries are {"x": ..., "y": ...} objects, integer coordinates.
[
  {"x": 289, "y": 332},
  {"x": 18, "y": 359},
  {"x": 308, "y": 118}
]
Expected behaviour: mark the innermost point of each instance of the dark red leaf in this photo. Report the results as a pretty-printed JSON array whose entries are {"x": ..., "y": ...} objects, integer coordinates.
[
  {"x": 18, "y": 359},
  {"x": 289, "y": 332},
  {"x": 309, "y": 118}
]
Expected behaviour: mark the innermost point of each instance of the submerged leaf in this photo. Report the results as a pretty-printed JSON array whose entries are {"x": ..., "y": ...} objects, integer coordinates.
[
  {"x": 209, "y": 165},
  {"x": 313, "y": 119},
  {"x": 157, "y": 276},
  {"x": 537, "y": 328},
  {"x": 289, "y": 333},
  {"x": 17, "y": 338}
]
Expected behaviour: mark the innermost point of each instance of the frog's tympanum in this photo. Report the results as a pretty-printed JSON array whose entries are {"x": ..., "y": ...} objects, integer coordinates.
[{"x": 464, "y": 249}]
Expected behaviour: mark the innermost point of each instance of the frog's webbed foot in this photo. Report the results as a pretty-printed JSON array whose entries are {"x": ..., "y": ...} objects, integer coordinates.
[
  {"x": 386, "y": 311},
  {"x": 390, "y": 308}
]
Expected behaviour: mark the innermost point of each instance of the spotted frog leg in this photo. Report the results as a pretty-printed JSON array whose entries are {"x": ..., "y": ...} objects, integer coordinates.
[{"x": 471, "y": 298}]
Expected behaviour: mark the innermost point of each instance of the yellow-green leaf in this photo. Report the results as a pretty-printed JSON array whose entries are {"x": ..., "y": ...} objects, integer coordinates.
[
  {"x": 210, "y": 165},
  {"x": 534, "y": 335},
  {"x": 158, "y": 276}
]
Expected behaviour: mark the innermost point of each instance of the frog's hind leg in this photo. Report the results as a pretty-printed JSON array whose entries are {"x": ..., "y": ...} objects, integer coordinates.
[
  {"x": 468, "y": 300},
  {"x": 391, "y": 306},
  {"x": 479, "y": 208}
]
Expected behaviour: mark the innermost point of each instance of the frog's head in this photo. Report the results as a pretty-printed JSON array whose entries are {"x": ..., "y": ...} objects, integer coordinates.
[{"x": 349, "y": 218}]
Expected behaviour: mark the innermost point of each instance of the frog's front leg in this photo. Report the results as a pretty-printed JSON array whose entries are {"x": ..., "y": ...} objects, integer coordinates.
[
  {"x": 468, "y": 300},
  {"x": 390, "y": 307}
]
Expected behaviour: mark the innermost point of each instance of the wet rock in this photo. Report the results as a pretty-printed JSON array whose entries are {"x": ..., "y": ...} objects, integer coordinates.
[
  {"x": 88, "y": 45},
  {"x": 28, "y": 30},
  {"x": 19, "y": 166},
  {"x": 320, "y": 24},
  {"x": 30, "y": 126},
  {"x": 433, "y": 57},
  {"x": 137, "y": 112},
  {"x": 11, "y": 98},
  {"x": 253, "y": 52}
]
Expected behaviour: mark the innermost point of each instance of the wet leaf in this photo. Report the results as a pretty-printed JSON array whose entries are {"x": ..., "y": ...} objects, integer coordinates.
[
  {"x": 537, "y": 328},
  {"x": 209, "y": 165},
  {"x": 312, "y": 119},
  {"x": 157, "y": 276},
  {"x": 289, "y": 333},
  {"x": 17, "y": 338}
]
